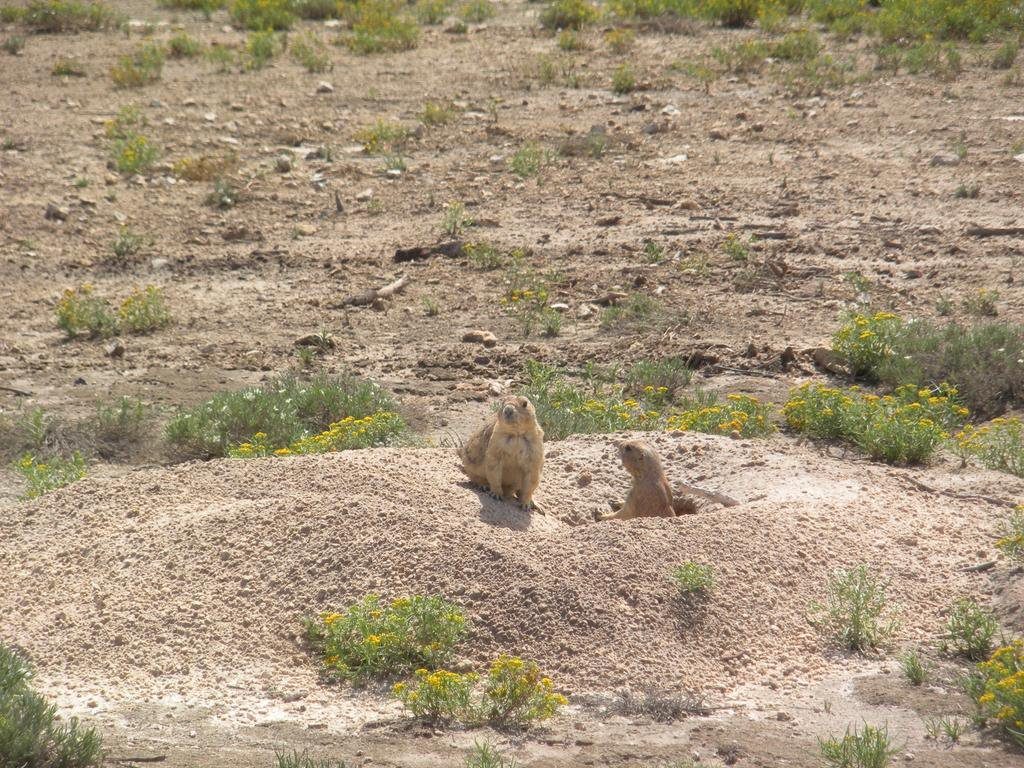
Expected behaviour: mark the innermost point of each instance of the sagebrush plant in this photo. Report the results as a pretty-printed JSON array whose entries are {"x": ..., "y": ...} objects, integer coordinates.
[
  {"x": 382, "y": 137},
  {"x": 285, "y": 410},
  {"x": 43, "y": 476},
  {"x": 31, "y": 735},
  {"x": 141, "y": 67},
  {"x": 69, "y": 16},
  {"x": 970, "y": 630},
  {"x": 381, "y": 26},
  {"x": 261, "y": 48},
  {"x": 998, "y": 444},
  {"x": 375, "y": 638},
  {"x": 855, "y": 611},
  {"x": 513, "y": 694},
  {"x": 997, "y": 687},
  {"x": 866, "y": 747},
  {"x": 568, "y": 14},
  {"x": 309, "y": 51},
  {"x": 262, "y": 15},
  {"x": 183, "y": 46},
  {"x": 82, "y": 313},
  {"x": 907, "y": 426},
  {"x": 144, "y": 311},
  {"x": 127, "y": 243},
  {"x": 528, "y": 160},
  {"x": 914, "y": 668},
  {"x": 693, "y": 578},
  {"x": 1011, "y": 541},
  {"x": 67, "y": 68}
]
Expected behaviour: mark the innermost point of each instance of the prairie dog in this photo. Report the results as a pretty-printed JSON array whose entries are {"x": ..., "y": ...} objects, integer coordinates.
[
  {"x": 506, "y": 455},
  {"x": 651, "y": 495}
]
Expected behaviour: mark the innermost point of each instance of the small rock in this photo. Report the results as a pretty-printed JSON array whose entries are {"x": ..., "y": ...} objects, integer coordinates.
[
  {"x": 486, "y": 338},
  {"x": 495, "y": 389},
  {"x": 394, "y": 173},
  {"x": 584, "y": 479},
  {"x": 92, "y": 703},
  {"x": 559, "y": 307},
  {"x": 324, "y": 87},
  {"x": 783, "y": 716},
  {"x": 496, "y": 159},
  {"x": 687, "y": 204},
  {"x": 674, "y": 160},
  {"x": 718, "y": 134},
  {"x": 1019, "y": 158},
  {"x": 332, "y": 23},
  {"x": 305, "y": 230},
  {"x": 283, "y": 164},
  {"x": 945, "y": 158},
  {"x": 609, "y": 221},
  {"x": 210, "y": 117},
  {"x": 366, "y": 194},
  {"x": 55, "y": 212},
  {"x": 586, "y": 310},
  {"x": 670, "y": 109},
  {"x": 114, "y": 348}
]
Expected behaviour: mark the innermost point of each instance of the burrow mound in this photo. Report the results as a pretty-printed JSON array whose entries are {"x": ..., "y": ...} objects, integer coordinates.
[{"x": 203, "y": 570}]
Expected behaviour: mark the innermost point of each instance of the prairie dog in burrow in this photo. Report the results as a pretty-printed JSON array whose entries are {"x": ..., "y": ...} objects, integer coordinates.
[
  {"x": 506, "y": 455},
  {"x": 650, "y": 495}
]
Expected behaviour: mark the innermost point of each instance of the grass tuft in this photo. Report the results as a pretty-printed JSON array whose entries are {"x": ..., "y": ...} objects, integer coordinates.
[{"x": 855, "y": 609}]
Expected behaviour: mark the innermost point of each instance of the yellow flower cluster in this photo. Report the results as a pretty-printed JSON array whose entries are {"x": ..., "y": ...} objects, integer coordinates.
[
  {"x": 743, "y": 416},
  {"x": 865, "y": 341},
  {"x": 346, "y": 434},
  {"x": 999, "y": 444},
  {"x": 1001, "y": 697}
]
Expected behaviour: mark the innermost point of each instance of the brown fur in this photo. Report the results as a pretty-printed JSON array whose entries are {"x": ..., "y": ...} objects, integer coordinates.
[
  {"x": 651, "y": 495},
  {"x": 506, "y": 455}
]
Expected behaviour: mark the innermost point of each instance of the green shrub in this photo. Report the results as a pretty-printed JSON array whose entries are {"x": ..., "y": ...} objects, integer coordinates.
[
  {"x": 70, "y": 16},
  {"x": 262, "y": 15},
  {"x": 970, "y": 630},
  {"x": 31, "y": 736},
  {"x": 303, "y": 759},
  {"x": 382, "y": 137},
  {"x": 485, "y": 755},
  {"x": 1011, "y": 542},
  {"x": 730, "y": 13},
  {"x": 739, "y": 416},
  {"x": 127, "y": 243},
  {"x": 997, "y": 687},
  {"x": 801, "y": 45},
  {"x": 515, "y": 694},
  {"x": 998, "y": 444},
  {"x": 854, "y": 611},
  {"x": 693, "y": 578},
  {"x": 67, "y": 68},
  {"x": 1006, "y": 55},
  {"x": 285, "y": 410},
  {"x": 913, "y": 667},
  {"x": 183, "y": 46},
  {"x": 206, "y": 7},
  {"x": 568, "y": 14},
  {"x": 869, "y": 747},
  {"x": 476, "y": 11},
  {"x": 13, "y": 44},
  {"x": 623, "y": 79},
  {"x": 79, "y": 312},
  {"x": 11, "y": 14},
  {"x": 431, "y": 11},
  {"x": 142, "y": 67},
  {"x": 658, "y": 380},
  {"x": 261, "y": 48},
  {"x": 380, "y": 26},
  {"x": 310, "y": 51},
  {"x": 122, "y": 421},
  {"x": 528, "y": 160},
  {"x": 638, "y": 309},
  {"x": 144, "y": 311},
  {"x": 224, "y": 195},
  {"x": 316, "y": 9},
  {"x": 44, "y": 476},
  {"x": 975, "y": 20},
  {"x": 347, "y": 434},
  {"x": 438, "y": 113},
  {"x": 133, "y": 153},
  {"x": 379, "y": 639}
]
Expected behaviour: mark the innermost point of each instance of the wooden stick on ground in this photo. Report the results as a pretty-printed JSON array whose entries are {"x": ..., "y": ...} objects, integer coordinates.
[
  {"x": 385, "y": 292},
  {"x": 720, "y": 498}
]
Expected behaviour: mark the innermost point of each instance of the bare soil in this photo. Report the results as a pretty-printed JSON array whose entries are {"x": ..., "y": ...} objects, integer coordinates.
[{"x": 160, "y": 601}]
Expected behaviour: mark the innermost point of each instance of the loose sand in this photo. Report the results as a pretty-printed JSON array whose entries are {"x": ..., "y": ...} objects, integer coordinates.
[{"x": 193, "y": 578}]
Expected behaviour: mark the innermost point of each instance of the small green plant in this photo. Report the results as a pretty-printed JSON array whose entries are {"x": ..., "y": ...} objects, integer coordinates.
[
  {"x": 967, "y": 191},
  {"x": 1011, "y": 542},
  {"x": 528, "y": 160},
  {"x": 309, "y": 51},
  {"x": 261, "y": 48},
  {"x": 303, "y": 759},
  {"x": 636, "y": 310},
  {"x": 262, "y": 15},
  {"x": 80, "y": 312},
  {"x": 1006, "y": 55},
  {"x": 69, "y": 16},
  {"x": 620, "y": 39},
  {"x": 183, "y": 46},
  {"x": 868, "y": 747},
  {"x": 437, "y": 113},
  {"x": 11, "y": 14},
  {"x": 914, "y": 668},
  {"x": 221, "y": 56},
  {"x": 44, "y": 476},
  {"x": 739, "y": 416},
  {"x": 484, "y": 256},
  {"x": 693, "y": 578},
  {"x": 730, "y": 13},
  {"x": 128, "y": 243},
  {"x": 142, "y": 67},
  {"x": 284, "y": 411},
  {"x": 133, "y": 153},
  {"x": 121, "y": 421},
  {"x": 486, "y": 755},
  {"x": 477, "y": 11},
  {"x": 568, "y": 40},
  {"x": 206, "y": 7},
  {"x": 13, "y": 44},
  {"x": 568, "y": 14},
  {"x": 204, "y": 167},
  {"x": 982, "y": 303},
  {"x": 455, "y": 220},
  {"x": 970, "y": 630},
  {"x": 379, "y": 26},
  {"x": 378, "y": 639},
  {"x": 623, "y": 79},
  {"x": 999, "y": 444},
  {"x": 316, "y": 9},
  {"x": 431, "y": 11},
  {"x": 855, "y": 608},
  {"x": 736, "y": 248},
  {"x": 30, "y": 732},
  {"x": 67, "y": 68},
  {"x": 144, "y": 311},
  {"x": 653, "y": 252},
  {"x": 382, "y": 137},
  {"x": 658, "y": 380},
  {"x": 950, "y": 727},
  {"x": 224, "y": 195},
  {"x": 431, "y": 307},
  {"x": 997, "y": 687}
]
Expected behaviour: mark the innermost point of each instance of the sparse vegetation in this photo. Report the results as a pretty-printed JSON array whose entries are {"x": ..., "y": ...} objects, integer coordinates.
[
  {"x": 183, "y": 46},
  {"x": 43, "y": 476},
  {"x": 693, "y": 578},
  {"x": 867, "y": 747},
  {"x": 285, "y": 411},
  {"x": 997, "y": 687},
  {"x": 380, "y": 26},
  {"x": 1011, "y": 542},
  {"x": 67, "y": 68},
  {"x": 262, "y": 15},
  {"x": 31, "y": 734},
  {"x": 118, "y": 422},
  {"x": 914, "y": 668},
  {"x": 144, "y": 311},
  {"x": 485, "y": 755},
  {"x": 261, "y": 48},
  {"x": 224, "y": 195},
  {"x": 374, "y": 638},
  {"x": 69, "y": 16},
  {"x": 623, "y": 79},
  {"x": 382, "y": 137},
  {"x": 303, "y": 759},
  {"x": 127, "y": 243},
  {"x": 635, "y": 310},
  {"x": 999, "y": 444},
  {"x": 80, "y": 312},
  {"x": 568, "y": 14},
  {"x": 204, "y": 167},
  {"x": 970, "y": 630},
  {"x": 455, "y": 220},
  {"x": 309, "y": 51},
  {"x": 855, "y": 611},
  {"x": 476, "y": 11},
  {"x": 528, "y": 160},
  {"x": 13, "y": 44},
  {"x": 142, "y": 67},
  {"x": 437, "y": 113}
]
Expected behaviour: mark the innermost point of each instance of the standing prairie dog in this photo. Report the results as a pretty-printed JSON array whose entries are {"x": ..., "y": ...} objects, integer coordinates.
[
  {"x": 507, "y": 454},
  {"x": 650, "y": 495}
]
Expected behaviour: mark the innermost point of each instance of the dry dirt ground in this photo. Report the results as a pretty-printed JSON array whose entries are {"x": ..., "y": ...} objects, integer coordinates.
[{"x": 161, "y": 602}]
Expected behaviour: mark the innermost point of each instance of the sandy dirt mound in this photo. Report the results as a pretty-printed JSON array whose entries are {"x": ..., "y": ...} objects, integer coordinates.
[{"x": 198, "y": 574}]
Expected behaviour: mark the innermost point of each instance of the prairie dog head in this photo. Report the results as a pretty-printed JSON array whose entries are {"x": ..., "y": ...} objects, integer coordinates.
[
  {"x": 517, "y": 415},
  {"x": 639, "y": 458}
]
